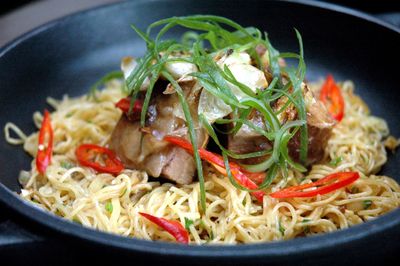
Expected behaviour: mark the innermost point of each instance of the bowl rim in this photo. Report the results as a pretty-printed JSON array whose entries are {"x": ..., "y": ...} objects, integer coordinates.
[
  {"x": 318, "y": 244},
  {"x": 313, "y": 3}
]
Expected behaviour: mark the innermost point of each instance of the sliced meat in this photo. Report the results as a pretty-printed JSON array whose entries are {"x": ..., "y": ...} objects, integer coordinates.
[
  {"x": 180, "y": 166},
  {"x": 246, "y": 140},
  {"x": 319, "y": 124},
  {"x": 144, "y": 149}
]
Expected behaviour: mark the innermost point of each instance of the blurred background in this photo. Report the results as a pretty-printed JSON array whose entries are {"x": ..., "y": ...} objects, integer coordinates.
[{"x": 20, "y": 16}]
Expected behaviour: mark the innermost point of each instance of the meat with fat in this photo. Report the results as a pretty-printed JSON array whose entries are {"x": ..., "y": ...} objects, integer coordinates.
[
  {"x": 144, "y": 148},
  {"x": 319, "y": 125}
]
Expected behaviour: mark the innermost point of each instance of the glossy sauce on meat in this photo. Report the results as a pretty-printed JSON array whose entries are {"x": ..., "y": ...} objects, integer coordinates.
[
  {"x": 144, "y": 149},
  {"x": 319, "y": 125}
]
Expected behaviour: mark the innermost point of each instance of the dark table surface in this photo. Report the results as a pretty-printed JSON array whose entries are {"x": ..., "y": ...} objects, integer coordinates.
[{"x": 19, "y": 245}]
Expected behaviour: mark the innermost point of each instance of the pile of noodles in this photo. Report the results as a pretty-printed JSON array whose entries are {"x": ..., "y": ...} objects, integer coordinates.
[{"x": 111, "y": 203}]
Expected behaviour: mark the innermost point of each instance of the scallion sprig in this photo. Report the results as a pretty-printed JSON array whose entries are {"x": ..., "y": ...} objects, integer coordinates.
[{"x": 207, "y": 37}]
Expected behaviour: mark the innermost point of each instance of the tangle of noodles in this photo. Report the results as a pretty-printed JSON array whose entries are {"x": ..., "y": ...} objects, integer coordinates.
[{"x": 111, "y": 204}]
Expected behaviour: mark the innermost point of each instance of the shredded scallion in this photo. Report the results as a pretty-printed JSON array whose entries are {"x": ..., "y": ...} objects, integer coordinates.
[{"x": 211, "y": 36}]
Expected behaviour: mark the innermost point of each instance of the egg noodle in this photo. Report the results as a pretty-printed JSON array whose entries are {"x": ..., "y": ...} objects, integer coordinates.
[{"x": 111, "y": 203}]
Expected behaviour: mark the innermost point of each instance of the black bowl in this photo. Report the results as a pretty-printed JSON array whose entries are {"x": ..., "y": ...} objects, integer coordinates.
[{"x": 70, "y": 54}]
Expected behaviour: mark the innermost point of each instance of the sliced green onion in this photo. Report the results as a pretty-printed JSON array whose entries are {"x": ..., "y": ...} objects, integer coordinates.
[
  {"x": 231, "y": 154},
  {"x": 336, "y": 161},
  {"x": 106, "y": 78},
  {"x": 367, "y": 204},
  {"x": 212, "y": 32},
  {"x": 188, "y": 223},
  {"x": 109, "y": 207},
  {"x": 192, "y": 134}
]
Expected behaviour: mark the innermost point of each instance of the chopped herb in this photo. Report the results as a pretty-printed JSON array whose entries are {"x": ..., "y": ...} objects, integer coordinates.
[
  {"x": 281, "y": 229},
  {"x": 306, "y": 229},
  {"x": 202, "y": 224},
  {"x": 68, "y": 115},
  {"x": 109, "y": 207},
  {"x": 354, "y": 190},
  {"x": 211, "y": 235},
  {"x": 58, "y": 212},
  {"x": 306, "y": 220},
  {"x": 67, "y": 164},
  {"x": 367, "y": 204},
  {"x": 76, "y": 220},
  {"x": 204, "y": 227},
  {"x": 336, "y": 161},
  {"x": 301, "y": 179},
  {"x": 188, "y": 223},
  {"x": 35, "y": 201},
  {"x": 106, "y": 78}
]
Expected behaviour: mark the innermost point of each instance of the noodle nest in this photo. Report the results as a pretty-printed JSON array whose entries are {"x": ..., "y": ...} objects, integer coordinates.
[{"x": 112, "y": 203}]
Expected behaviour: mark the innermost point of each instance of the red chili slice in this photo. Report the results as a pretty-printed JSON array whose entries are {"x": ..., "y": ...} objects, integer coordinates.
[
  {"x": 124, "y": 105},
  {"x": 241, "y": 177},
  {"x": 256, "y": 177},
  {"x": 332, "y": 98},
  {"x": 86, "y": 154},
  {"x": 175, "y": 228},
  {"x": 44, "y": 153},
  {"x": 322, "y": 186}
]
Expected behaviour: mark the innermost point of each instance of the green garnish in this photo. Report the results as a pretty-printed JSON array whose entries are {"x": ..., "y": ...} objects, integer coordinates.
[
  {"x": 193, "y": 137},
  {"x": 336, "y": 161},
  {"x": 76, "y": 220},
  {"x": 66, "y": 164},
  {"x": 188, "y": 223},
  {"x": 68, "y": 115},
  {"x": 204, "y": 227},
  {"x": 306, "y": 229},
  {"x": 281, "y": 229},
  {"x": 106, "y": 78},
  {"x": 58, "y": 212},
  {"x": 367, "y": 204},
  {"x": 306, "y": 220},
  {"x": 211, "y": 235},
  {"x": 354, "y": 190},
  {"x": 202, "y": 224},
  {"x": 209, "y": 36},
  {"x": 244, "y": 202},
  {"x": 109, "y": 207}
]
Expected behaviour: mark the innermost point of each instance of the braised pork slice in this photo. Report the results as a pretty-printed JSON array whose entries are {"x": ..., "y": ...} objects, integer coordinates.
[
  {"x": 144, "y": 149},
  {"x": 246, "y": 140},
  {"x": 319, "y": 124}
]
